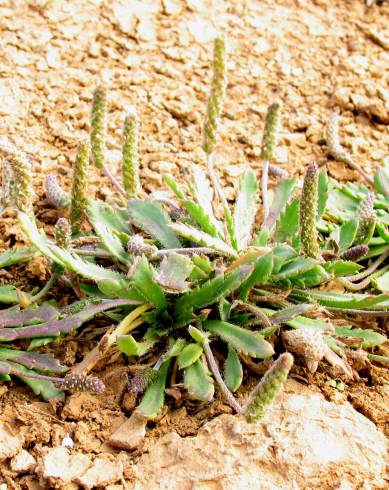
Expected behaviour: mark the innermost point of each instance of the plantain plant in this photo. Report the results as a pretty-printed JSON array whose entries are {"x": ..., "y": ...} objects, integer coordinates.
[{"x": 184, "y": 283}]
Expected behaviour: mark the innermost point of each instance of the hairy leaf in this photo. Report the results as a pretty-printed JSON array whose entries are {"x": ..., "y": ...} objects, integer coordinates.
[
  {"x": 173, "y": 272},
  {"x": 150, "y": 217},
  {"x": 260, "y": 275},
  {"x": 152, "y": 401},
  {"x": 287, "y": 225},
  {"x": 9, "y": 295},
  {"x": 189, "y": 354},
  {"x": 129, "y": 346},
  {"x": 282, "y": 195},
  {"x": 242, "y": 340},
  {"x": 29, "y": 316},
  {"x": 33, "y": 360},
  {"x": 322, "y": 194},
  {"x": 143, "y": 281},
  {"x": 198, "y": 382},
  {"x": 113, "y": 219},
  {"x": 16, "y": 256},
  {"x": 233, "y": 371},
  {"x": 245, "y": 208},
  {"x": 204, "y": 239}
]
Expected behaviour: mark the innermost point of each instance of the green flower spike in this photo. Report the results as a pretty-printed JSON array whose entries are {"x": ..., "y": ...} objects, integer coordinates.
[
  {"x": 20, "y": 189},
  {"x": 270, "y": 133},
  {"x": 131, "y": 180},
  {"x": 366, "y": 220},
  {"x": 308, "y": 212},
  {"x": 215, "y": 101},
  {"x": 265, "y": 392},
  {"x": 80, "y": 187},
  {"x": 63, "y": 232},
  {"x": 99, "y": 126}
]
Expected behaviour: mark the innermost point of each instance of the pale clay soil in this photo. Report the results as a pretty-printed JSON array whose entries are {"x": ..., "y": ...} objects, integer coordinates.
[{"x": 314, "y": 57}]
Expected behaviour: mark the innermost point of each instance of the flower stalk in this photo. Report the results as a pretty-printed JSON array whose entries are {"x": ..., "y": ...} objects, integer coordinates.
[{"x": 308, "y": 212}]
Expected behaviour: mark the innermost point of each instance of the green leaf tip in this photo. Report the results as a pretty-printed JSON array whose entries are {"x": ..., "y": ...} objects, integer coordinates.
[
  {"x": 267, "y": 389},
  {"x": 308, "y": 212},
  {"x": 215, "y": 101}
]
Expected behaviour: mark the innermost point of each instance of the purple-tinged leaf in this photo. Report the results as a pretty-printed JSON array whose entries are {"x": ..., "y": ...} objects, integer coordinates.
[
  {"x": 33, "y": 360},
  {"x": 28, "y": 316}
]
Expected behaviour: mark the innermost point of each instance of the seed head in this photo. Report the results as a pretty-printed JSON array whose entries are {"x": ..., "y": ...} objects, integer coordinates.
[
  {"x": 141, "y": 380},
  {"x": 308, "y": 212},
  {"x": 215, "y": 101},
  {"x": 366, "y": 220},
  {"x": 21, "y": 190},
  {"x": 137, "y": 246},
  {"x": 266, "y": 390},
  {"x": 83, "y": 382},
  {"x": 354, "y": 253},
  {"x": 335, "y": 149},
  {"x": 63, "y": 233},
  {"x": 99, "y": 126},
  {"x": 131, "y": 180},
  {"x": 79, "y": 187},
  {"x": 55, "y": 194},
  {"x": 270, "y": 133}
]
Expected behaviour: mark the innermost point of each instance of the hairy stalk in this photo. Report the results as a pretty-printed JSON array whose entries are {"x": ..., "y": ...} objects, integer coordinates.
[
  {"x": 215, "y": 101},
  {"x": 131, "y": 179},
  {"x": 55, "y": 194},
  {"x": 276, "y": 171},
  {"x": 264, "y": 320},
  {"x": 99, "y": 126},
  {"x": 367, "y": 272},
  {"x": 269, "y": 142},
  {"x": 50, "y": 283},
  {"x": 114, "y": 181},
  {"x": 22, "y": 174},
  {"x": 336, "y": 150},
  {"x": 352, "y": 286},
  {"x": 216, "y": 373},
  {"x": 265, "y": 392},
  {"x": 79, "y": 187},
  {"x": 366, "y": 220},
  {"x": 308, "y": 212}
]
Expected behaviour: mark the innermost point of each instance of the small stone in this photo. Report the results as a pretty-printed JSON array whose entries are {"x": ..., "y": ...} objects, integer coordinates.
[
  {"x": 59, "y": 464},
  {"x": 23, "y": 462},
  {"x": 202, "y": 30},
  {"x": 105, "y": 469},
  {"x": 146, "y": 30},
  {"x": 171, "y": 7},
  {"x": 10, "y": 442}
]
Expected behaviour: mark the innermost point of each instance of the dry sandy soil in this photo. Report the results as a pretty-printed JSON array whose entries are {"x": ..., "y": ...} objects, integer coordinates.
[{"x": 312, "y": 56}]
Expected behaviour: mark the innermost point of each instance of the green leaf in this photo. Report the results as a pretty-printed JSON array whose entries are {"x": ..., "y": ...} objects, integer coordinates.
[
  {"x": 198, "y": 382},
  {"x": 245, "y": 208},
  {"x": 340, "y": 268},
  {"x": 322, "y": 194},
  {"x": 111, "y": 242},
  {"x": 224, "y": 308},
  {"x": 212, "y": 291},
  {"x": 242, "y": 340},
  {"x": 342, "y": 300},
  {"x": 381, "y": 282},
  {"x": 282, "y": 195},
  {"x": 129, "y": 346},
  {"x": 347, "y": 234},
  {"x": 369, "y": 337},
  {"x": 313, "y": 277},
  {"x": 173, "y": 272},
  {"x": 260, "y": 275},
  {"x": 198, "y": 335},
  {"x": 233, "y": 371},
  {"x": 153, "y": 399},
  {"x": 381, "y": 181},
  {"x": 294, "y": 268},
  {"x": 287, "y": 225},
  {"x": 282, "y": 254},
  {"x": 38, "y": 238},
  {"x": 204, "y": 239},
  {"x": 113, "y": 219},
  {"x": 144, "y": 283},
  {"x": 16, "y": 256},
  {"x": 189, "y": 354},
  {"x": 8, "y": 294},
  {"x": 150, "y": 217}
]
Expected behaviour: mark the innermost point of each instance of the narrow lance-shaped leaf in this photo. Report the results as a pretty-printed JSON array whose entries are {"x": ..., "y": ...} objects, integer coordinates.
[
  {"x": 189, "y": 354},
  {"x": 16, "y": 256},
  {"x": 28, "y": 316},
  {"x": 282, "y": 195},
  {"x": 195, "y": 235},
  {"x": 260, "y": 275},
  {"x": 174, "y": 271},
  {"x": 33, "y": 360},
  {"x": 152, "y": 401},
  {"x": 151, "y": 217},
  {"x": 242, "y": 340},
  {"x": 143, "y": 280},
  {"x": 245, "y": 209}
]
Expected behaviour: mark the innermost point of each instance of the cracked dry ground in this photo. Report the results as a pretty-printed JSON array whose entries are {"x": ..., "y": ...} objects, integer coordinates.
[{"x": 312, "y": 56}]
